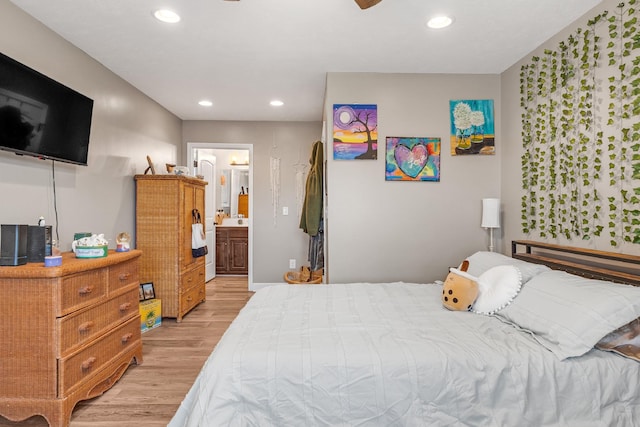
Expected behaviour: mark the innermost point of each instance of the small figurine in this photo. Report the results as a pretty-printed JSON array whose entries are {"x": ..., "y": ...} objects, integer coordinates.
[{"x": 122, "y": 242}]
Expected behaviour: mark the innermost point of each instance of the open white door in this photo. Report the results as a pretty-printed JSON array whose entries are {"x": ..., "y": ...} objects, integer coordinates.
[{"x": 207, "y": 168}]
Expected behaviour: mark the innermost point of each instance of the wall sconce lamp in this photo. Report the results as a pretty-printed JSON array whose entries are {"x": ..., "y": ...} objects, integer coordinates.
[{"x": 490, "y": 217}]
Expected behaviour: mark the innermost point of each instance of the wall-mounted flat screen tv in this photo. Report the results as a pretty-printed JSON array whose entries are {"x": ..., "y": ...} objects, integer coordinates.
[{"x": 41, "y": 117}]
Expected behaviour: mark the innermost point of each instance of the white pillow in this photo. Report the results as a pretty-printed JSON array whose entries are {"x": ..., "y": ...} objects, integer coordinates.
[
  {"x": 497, "y": 287},
  {"x": 482, "y": 261},
  {"x": 569, "y": 314}
]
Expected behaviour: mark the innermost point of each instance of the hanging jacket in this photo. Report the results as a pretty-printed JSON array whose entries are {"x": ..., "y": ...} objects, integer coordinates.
[{"x": 312, "y": 206}]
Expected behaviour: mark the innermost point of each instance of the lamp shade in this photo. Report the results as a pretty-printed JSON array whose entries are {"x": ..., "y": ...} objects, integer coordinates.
[{"x": 490, "y": 213}]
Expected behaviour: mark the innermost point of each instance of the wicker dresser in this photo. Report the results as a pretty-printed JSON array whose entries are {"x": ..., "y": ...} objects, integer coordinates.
[
  {"x": 68, "y": 333},
  {"x": 163, "y": 232}
]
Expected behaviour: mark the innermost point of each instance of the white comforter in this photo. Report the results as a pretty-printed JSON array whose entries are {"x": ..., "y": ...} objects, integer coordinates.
[{"x": 390, "y": 355}]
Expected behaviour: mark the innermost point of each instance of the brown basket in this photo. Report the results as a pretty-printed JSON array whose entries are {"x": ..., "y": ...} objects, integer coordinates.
[{"x": 303, "y": 277}]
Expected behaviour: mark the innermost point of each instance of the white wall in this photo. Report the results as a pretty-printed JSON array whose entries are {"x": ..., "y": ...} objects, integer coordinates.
[
  {"x": 126, "y": 127},
  {"x": 280, "y": 239},
  {"x": 381, "y": 231}
]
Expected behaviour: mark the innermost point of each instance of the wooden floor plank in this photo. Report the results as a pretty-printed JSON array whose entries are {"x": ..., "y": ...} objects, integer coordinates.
[{"x": 149, "y": 395}]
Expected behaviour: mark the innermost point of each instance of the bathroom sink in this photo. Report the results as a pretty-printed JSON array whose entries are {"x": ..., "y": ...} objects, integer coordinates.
[{"x": 235, "y": 222}]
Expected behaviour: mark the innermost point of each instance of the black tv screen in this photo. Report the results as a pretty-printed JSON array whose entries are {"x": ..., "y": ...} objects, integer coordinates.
[{"x": 41, "y": 117}]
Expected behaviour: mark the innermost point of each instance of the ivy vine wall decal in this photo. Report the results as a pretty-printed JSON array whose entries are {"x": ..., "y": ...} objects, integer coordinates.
[{"x": 581, "y": 133}]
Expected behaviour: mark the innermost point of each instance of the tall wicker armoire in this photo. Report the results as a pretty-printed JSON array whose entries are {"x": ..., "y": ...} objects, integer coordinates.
[{"x": 164, "y": 205}]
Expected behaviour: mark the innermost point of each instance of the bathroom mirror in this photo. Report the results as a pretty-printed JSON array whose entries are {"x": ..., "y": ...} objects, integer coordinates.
[
  {"x": 225, "y": 190},
  {"x": 233, "y": 182},
  {"x": 239, "y": 185}
]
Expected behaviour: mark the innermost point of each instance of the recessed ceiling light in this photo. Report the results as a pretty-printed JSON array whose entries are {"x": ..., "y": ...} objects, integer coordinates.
[
  {"x": 205, "y": 103},
  {"x": 438, "y": 22},
  {"x": 276, "y": 103},
  {"x": 166, "y": 15}
]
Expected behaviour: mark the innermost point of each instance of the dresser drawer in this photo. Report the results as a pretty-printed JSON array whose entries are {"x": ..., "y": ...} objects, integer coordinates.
[
  {"x": 84, "y": 325},
  {"x": 81, "y": 366},
  {"x": 123, "y": 274},
  {"x": 80, "y": 290},
  {"x": 191, "y": 278},
  {"x": 191, "y": 297}
]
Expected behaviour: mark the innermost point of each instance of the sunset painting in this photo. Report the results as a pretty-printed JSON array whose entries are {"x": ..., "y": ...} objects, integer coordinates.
[
  {"x": 412, "y": 159},
  {"x": 355, "y": 131}
]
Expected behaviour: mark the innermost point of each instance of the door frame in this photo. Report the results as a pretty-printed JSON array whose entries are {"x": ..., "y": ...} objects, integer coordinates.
[{"x": 194, "y": 146}]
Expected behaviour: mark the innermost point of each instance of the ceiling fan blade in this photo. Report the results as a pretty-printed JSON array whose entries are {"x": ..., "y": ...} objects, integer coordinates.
[{"x": 366, "y": 4}]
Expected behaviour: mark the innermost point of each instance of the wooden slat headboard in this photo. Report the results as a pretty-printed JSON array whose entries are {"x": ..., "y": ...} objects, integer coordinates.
[{"x": 589, "y": 263}]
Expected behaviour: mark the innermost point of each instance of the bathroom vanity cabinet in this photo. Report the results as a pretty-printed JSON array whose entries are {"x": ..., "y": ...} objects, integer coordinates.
[{"x": 232, "y": 250}]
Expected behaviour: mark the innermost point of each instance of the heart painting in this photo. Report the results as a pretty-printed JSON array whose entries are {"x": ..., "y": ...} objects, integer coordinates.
[{"x": 413, "y": 159}]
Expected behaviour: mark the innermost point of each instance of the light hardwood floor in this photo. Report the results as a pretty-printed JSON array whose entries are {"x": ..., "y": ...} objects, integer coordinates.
[{"x": 148, "y": 395}]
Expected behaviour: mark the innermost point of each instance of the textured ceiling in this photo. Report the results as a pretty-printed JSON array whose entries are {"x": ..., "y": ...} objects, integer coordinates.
[{"x": 242, "y": 54}]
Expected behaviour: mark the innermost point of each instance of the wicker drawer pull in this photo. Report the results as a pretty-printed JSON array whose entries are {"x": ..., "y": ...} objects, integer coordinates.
[
  {"x": 85, "y": 327},
  {"x": 124, "y": 276},
  {"x": 189, "y": 298},
  {"x": 126, "y": 337},
  {"x": 125, "y": 306},
  {"x": 85, "y": 290},
  {"x": 87, "y": 364}
]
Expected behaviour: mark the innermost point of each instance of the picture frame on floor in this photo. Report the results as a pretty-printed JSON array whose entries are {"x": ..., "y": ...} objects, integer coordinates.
[{"x": 146, "y": 291}]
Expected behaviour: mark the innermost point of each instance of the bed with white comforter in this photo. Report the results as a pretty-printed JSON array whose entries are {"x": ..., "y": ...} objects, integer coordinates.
[{"x": 391, "y": 355}]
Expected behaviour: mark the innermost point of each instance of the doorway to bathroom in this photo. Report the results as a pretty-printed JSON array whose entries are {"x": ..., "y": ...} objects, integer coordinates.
[{"x": 228, "y": 169}]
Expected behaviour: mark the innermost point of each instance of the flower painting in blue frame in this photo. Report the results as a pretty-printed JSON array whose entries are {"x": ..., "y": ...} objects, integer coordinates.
[
  {"x": 355, "y": 132},
  {"x": 412, "y": 159},
  {"x": 472, "y": 127}
]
